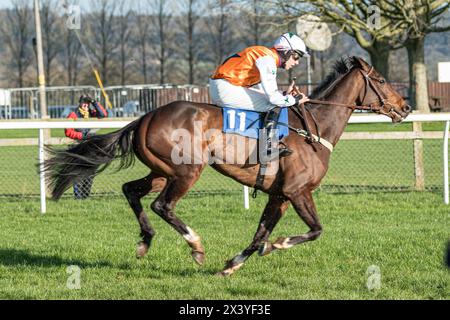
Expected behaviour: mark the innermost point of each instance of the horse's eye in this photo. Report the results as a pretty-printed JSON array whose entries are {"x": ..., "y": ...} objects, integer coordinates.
[{"x": 382, "y": 81}]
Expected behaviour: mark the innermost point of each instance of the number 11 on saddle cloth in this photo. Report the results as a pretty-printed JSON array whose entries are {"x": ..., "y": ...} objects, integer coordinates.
[{"x": 249, "y": 123}]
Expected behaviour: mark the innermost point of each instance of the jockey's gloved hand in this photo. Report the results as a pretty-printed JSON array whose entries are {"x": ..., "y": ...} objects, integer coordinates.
[{"x": 301, "y": 98}]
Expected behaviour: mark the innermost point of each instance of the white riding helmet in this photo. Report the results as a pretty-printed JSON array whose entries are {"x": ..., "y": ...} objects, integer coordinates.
[{"x": 290, "y": 41}]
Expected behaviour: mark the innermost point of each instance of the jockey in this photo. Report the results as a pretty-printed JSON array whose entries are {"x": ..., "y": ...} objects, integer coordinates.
[
  {"x": 87, "y": 108},
  {"x": 248, "y": 80}
]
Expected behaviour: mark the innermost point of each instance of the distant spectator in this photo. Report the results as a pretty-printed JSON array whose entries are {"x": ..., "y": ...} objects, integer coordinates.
[{"x": 87, "y": 108}]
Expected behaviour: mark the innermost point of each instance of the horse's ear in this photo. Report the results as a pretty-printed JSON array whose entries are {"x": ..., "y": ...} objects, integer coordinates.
[{"x": 362, "y": 63}]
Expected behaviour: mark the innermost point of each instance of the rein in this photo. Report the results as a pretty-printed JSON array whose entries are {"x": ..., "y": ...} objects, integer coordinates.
[
  {"x": 299, "y": 110},
  {"x": 350, "y": 106},
  {"x": 370, "y": 106}
]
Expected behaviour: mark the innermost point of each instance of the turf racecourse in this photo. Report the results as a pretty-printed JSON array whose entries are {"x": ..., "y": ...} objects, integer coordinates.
[{"x": 404, "y": 234}]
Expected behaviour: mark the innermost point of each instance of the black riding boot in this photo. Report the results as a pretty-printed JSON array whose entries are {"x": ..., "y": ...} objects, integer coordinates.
[{"x": 270, "y": 125}]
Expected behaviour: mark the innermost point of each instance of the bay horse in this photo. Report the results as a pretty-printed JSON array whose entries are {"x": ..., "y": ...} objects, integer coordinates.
[{"x": 353, "y": 84}]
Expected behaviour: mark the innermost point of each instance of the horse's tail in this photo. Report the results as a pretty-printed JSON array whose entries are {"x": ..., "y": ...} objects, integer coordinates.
[{"x": 89, "y": 158}]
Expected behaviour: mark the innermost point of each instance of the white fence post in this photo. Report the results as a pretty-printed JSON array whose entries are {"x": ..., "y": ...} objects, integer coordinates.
[
  {"x": 419, "y": 167},
  {"x": 445, "y": 149},
  {"x": 246, "y": 199},
  {"x": 41, "y": 170}
]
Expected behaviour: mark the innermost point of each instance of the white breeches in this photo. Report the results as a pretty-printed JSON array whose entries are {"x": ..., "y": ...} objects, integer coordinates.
[{"x": 225, "y": 94}]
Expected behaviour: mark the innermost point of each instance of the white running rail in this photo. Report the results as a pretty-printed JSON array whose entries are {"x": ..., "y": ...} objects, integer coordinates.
[{"x": 41, "y": 125}]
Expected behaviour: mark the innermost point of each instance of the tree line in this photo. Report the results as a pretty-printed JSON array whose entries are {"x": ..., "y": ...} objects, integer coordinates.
[
  {"x": 129, "y": 42},
  {"x": 181, "y": 42}
]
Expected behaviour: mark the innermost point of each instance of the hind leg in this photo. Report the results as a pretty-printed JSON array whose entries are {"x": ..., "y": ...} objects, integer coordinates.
[
  {"x": 273, "y": 212},
  {"x": 164, "y": 206},
  {"x": 134, "y": 191}
]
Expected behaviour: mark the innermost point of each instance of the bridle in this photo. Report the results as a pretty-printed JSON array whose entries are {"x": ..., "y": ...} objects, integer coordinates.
[
  {"x": 382, "y": 106},
  {"x": 386, "y": 107}
]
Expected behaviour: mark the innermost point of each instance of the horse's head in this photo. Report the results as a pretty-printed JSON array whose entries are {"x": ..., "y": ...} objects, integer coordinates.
[{"x": 380, "y": 95}]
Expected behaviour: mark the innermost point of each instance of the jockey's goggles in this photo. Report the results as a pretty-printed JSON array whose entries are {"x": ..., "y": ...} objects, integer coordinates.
[{"x": 297, "y": 54}]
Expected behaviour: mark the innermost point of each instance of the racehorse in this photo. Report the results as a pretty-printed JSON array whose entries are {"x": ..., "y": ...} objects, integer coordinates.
[{"x": 353, "y": 84}]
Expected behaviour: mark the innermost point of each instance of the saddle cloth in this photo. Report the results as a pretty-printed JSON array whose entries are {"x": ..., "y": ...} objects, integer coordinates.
[{"x": 247, "y": 123}]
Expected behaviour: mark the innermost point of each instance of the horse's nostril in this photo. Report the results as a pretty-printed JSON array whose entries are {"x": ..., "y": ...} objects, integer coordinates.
[{"x": 407, "y": 108}]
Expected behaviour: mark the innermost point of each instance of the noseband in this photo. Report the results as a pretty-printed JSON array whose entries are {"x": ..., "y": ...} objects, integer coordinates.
[{"x": 382, "y": 106}]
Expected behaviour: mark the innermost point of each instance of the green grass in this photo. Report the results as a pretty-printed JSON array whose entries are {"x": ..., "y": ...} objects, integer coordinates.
[
  {"x": 404, "y": 234},
  {"x": 386, "y": 127}
]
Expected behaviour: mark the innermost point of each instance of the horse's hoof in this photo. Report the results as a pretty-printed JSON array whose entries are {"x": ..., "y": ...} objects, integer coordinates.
[
  {"x": 199, "y": 257},
  {"x": 230, "y": 269},
  {"x": 224, "y": 273},
  {"x": 141, "y": 250},
  {"x": 265, "y": 248}
]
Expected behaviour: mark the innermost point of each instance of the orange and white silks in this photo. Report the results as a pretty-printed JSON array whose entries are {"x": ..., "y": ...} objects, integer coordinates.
[
  {"x": 247, "y": 80},
  {"x": 241, "y": 70}
]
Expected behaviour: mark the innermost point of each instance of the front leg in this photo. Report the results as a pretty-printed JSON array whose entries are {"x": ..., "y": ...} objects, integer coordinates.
[
  {"x": 303, "y": 204},
  {"x": 273, "y": 212}
]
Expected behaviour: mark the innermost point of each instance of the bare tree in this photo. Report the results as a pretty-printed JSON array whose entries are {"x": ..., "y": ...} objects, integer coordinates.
[
  {"x": 253, "y": 22},
  {"x": 164, "y": 35},
  {"x": 17, "y": 34},
  {"x": 51, "y": 31},
  {"x": 124, "y": 34},
  {"x": 258, "y": 20},
  {"x": 417, "y": 19},
  {"x": 355, "y": 19},
  {"x": 190, "y": 12},
  {"x": 102, "y": 42},
  {"x": 143, "y": 28},
  {"x": 218, "y": 24},
  {"x": 71, "y": 56}
]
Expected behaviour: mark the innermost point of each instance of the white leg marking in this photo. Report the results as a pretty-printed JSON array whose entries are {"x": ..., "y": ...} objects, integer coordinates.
[
  {"x": 284, "y": 244},
  {"x": 191, "y": 236}
]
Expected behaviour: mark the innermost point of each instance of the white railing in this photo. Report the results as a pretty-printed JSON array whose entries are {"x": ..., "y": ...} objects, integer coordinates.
[{"x": 42, "y": 125}]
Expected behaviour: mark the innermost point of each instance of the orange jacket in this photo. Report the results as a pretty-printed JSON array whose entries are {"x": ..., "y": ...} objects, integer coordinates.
[{"x": 240, "y": 69}]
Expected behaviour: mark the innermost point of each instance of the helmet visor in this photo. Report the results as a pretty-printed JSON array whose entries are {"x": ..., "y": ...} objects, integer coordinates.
[
  {"x": 300, "y": 53},
  {"x": 297, "y": 54}
]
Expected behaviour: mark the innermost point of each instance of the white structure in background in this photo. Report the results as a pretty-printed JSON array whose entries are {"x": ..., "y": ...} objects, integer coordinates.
[
  {"x": 5, "y": 97},
  {"x": 444, "y": 71},
  {"x": 5, "y": 101},
  {"x": 317, "y": 37}
]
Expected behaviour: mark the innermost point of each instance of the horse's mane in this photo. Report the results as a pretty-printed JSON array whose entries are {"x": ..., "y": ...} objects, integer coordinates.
[{"x": 341, "y": 68}]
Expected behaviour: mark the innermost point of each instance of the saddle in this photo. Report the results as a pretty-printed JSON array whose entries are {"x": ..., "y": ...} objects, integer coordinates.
[{"x": 268, "y": 127}]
